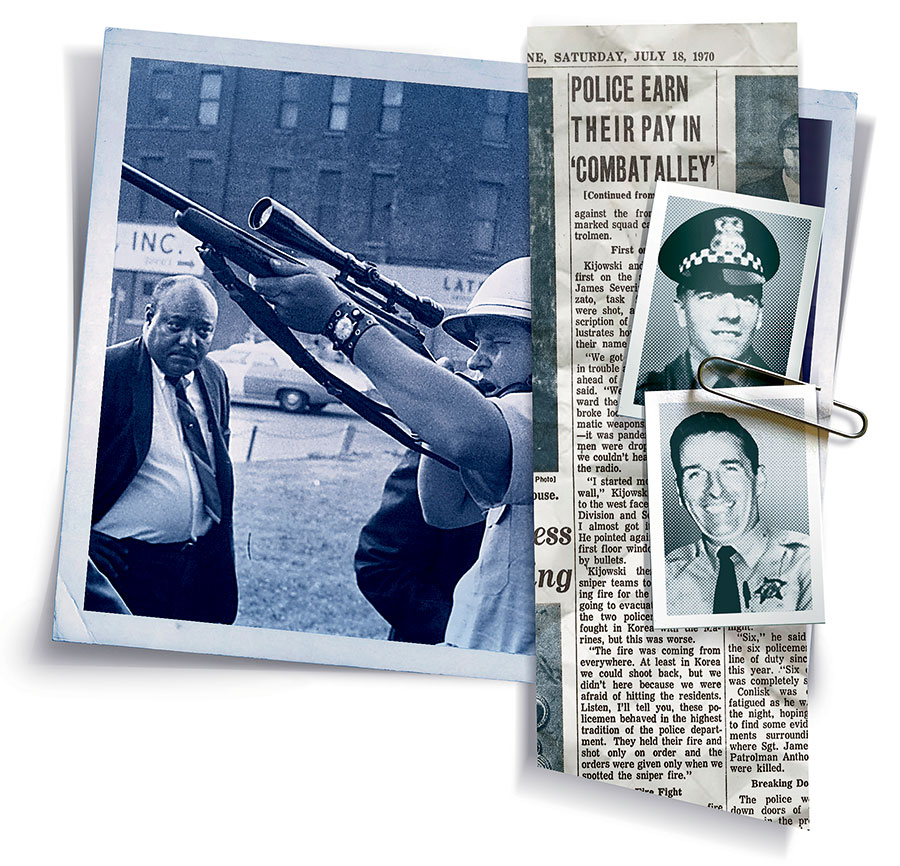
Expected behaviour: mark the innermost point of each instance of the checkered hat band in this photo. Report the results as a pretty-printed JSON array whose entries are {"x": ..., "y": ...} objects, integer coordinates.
[{"x": 726, "y": 258}]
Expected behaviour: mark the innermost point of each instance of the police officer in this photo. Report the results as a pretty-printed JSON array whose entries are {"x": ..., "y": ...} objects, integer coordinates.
[
  {"x": 737, "y": 566},
  {"x": 485, "y": 431},
  {"x": 719, "y": 259}
]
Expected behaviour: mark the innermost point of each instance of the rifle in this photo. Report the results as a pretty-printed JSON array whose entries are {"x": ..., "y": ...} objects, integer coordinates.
[{"x": 361, "y": 281}]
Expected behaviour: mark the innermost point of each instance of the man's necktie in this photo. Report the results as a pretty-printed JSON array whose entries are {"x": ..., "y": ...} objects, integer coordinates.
[
  {"x": 726, "y": 599},
  {"x": 193, "y": 436},
  {"x": 725, "y": 382}
]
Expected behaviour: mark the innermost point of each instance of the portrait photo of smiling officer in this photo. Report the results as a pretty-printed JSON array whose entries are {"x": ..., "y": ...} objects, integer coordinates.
[{"x": 737, "y": 565}]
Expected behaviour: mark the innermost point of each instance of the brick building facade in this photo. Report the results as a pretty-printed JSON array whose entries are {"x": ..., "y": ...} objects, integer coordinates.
[{"x": 428, "y": 181}]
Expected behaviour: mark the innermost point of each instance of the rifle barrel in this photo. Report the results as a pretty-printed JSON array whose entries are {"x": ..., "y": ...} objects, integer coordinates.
[
  {"x": 280, "y": 224},
  {"x": 159, "y": 191},
  {"x": 181, "y": 203},
  {"x": 252, "y": 253}
]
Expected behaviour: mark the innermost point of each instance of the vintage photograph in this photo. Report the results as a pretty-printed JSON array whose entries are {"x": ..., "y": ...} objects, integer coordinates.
[
  {"x": 827, "y": 137},
  {"x": 735, "y": 502},
  {"x": 309, "y": 393},
  {"x": 768, "y": 146},
  {"x": 724, "y": 275}
]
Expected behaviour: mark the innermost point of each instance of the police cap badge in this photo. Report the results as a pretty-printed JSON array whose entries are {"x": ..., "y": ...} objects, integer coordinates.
[{"x": 720, "y": 249}]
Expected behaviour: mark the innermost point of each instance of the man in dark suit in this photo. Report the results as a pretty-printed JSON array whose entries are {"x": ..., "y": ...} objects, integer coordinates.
[
  {"x": 719, "y": 260},
  {"x": 783, "y": 184},
  {"x": 161, "y": 537}
]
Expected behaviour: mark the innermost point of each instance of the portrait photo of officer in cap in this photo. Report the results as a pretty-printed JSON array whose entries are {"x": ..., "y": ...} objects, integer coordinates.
[
  {"x": 734, "y": 509},
  {"x": 732, "y": 278}
]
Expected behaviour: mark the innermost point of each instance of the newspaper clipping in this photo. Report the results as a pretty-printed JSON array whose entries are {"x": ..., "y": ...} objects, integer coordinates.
[{"x": 712, "y": 716}]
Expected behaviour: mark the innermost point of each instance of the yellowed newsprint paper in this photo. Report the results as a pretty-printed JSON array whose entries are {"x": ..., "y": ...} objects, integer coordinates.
[{"x": 713, "y": 716}]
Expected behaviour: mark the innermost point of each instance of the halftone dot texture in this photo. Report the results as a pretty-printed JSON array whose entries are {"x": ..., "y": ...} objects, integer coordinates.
[
  {"x": 665, "y": 339},
  {"x": 783, "y": 503}
]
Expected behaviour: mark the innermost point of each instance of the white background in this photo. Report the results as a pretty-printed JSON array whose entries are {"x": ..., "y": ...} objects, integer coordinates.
[{"x": 127, "y": 756}]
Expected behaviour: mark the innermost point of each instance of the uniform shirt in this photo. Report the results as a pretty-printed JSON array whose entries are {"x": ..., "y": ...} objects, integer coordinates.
[
  {"x": 773, "y": 572},
  {"x": 680, "y": 374},
  {"x": 738, "y": 375},
  {"x": 493, "y": 604},
  {"x": 164, "y": 501}
]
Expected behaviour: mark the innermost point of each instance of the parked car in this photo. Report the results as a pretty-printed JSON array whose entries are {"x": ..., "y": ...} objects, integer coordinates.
[{"x": 262, "y": 374}]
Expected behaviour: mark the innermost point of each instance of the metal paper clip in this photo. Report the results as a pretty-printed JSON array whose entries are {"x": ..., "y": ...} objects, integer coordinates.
[{"x": 784, "y": 380}]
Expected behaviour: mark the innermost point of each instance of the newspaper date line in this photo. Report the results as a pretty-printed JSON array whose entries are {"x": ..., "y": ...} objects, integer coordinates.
[{"x": 652, "y": 55}]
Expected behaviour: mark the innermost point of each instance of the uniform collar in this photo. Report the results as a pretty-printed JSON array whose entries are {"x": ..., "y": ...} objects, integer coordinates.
[
  {"x": 693, "y": 365},
  {"x": 737, "y": 374},
  {"x": 750, "y": 546}
]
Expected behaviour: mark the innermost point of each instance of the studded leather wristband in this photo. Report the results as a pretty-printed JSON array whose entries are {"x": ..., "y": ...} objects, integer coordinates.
[{"x": 346, "y": 325}]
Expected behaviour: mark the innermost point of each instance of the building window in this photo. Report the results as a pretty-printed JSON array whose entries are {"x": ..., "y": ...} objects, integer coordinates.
[
  {"x": 280, "y": 184},
  {"x": 289, "y": 109},
  {"x": 391, "y": 106},
  {"x": 496, "y": 117},
  {"x": 487, "y": 207},
  {"x": 210, "y": 95},
  {"x": 141, "y": 295},
  {"x": 162, "y": 88},
  {"x": 340, "y": 104},
  {"x": 328, "y": 213},
  {"x": 381, "y": 207},
  {"x": 200, "y": 180}
]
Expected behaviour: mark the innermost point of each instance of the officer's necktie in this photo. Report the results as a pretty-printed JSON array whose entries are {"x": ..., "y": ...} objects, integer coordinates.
[
  {"x": 726, "y": 598},
  {"x": 725, "y": 382},
  {"x": 193, "y": 436}
]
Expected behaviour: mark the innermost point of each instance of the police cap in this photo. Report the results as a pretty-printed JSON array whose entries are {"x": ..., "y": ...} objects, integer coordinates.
[{"x": 720, "y": 249}]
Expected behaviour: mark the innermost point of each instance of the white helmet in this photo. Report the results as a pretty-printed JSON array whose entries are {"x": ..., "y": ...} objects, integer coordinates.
[{"x": 506, "y": 292}]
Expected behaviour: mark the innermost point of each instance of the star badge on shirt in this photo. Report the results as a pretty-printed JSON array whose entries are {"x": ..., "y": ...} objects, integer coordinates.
[{"x": 771, "y": 588}]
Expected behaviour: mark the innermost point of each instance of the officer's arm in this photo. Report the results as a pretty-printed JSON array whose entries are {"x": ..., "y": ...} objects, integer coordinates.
[
  {"x": 449, "y": 414},
  {"x": 445, "y": 501},
  {"x": 226, "y": 411}
]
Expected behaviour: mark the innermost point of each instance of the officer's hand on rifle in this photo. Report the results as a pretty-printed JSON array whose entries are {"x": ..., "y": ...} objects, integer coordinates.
[{"x": 303, "y": 297}]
